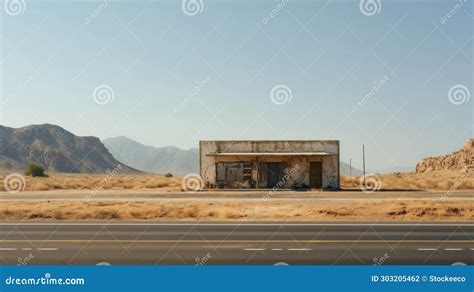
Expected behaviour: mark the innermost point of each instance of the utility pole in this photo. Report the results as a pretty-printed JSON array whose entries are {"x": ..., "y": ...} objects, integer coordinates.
[
  {"x": 363, "y": 160},
  {"x": 350, "y": 167}
]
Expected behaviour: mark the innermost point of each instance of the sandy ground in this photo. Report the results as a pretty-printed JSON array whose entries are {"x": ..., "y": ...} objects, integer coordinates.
[
  {"x": 208, "y": 209},
  {"x": 439, "y": 180}
]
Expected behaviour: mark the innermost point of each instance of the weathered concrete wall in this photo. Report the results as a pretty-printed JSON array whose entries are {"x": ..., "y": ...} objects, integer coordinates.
[{"x": 298, "y": 166}]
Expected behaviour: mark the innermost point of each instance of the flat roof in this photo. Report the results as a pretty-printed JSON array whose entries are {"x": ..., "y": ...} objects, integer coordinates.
[
  {"x": 272, "y": 154},
  {"x": 291, "y": 141}
]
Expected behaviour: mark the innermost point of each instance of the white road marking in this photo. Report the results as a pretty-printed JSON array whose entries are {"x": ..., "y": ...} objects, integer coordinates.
[
  {"x": 7, "y": 248},
  {"x": 299, "y": 249},
  {"x": 472, "y": 248},
  {"x": 254, "y": 249},
  {"x": 427, "y": 249},
  {"x": 47, "y": 248},
  {"x": 452, "y": 249}
]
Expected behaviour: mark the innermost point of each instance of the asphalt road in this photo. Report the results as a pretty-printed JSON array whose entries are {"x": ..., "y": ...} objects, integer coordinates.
[
  {"x": 216, "y": 195},
  {"x": 182, "y": 243}
]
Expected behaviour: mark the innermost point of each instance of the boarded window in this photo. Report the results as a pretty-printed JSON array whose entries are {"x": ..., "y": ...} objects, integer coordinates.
[{"x": 234, "y": 175}]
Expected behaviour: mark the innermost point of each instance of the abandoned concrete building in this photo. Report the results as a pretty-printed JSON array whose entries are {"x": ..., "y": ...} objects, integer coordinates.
[{"x": 269, "y": 164}]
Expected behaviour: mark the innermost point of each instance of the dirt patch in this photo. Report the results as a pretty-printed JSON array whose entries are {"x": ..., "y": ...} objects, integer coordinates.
[{"x": 397, "y": 213}]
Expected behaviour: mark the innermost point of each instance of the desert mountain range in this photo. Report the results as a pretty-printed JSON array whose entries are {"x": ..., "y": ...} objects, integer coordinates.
[
  {"x": 154, "y": 159},
  {"x": 56, "y": 149}
]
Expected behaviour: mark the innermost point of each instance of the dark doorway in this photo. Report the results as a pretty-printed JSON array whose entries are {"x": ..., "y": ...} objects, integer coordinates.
[
  {"x": 275, "y": 173},
  {"x": 316, "y": 174}
]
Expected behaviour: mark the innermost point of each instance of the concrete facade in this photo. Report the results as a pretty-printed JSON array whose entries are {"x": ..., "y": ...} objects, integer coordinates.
[{"x": 270, "y": 164}]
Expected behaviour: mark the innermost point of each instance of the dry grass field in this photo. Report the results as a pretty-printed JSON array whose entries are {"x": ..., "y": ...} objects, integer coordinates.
[
  {"x": 242, "y": 209},
  {"x": 439, "y": 180},
  {"x": 436, "y": 180},
  {"x": 61, "y": 181}
]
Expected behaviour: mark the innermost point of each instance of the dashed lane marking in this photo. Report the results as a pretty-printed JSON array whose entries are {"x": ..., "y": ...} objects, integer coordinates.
[{"x": 28, "y": 248}]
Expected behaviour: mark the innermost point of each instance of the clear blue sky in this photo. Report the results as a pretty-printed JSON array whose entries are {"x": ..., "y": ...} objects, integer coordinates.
[{"x": 178, "y": 79}]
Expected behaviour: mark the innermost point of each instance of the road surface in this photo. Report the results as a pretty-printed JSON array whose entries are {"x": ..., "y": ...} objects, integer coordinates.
[{"x": 185, "y": 243}]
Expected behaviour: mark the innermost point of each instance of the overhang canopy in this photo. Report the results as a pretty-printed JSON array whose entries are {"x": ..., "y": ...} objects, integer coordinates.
[{"x": 272, "y": 154}]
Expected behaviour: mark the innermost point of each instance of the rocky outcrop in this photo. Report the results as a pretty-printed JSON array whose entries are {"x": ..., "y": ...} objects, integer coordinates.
[{"x": 458, "y": 160}]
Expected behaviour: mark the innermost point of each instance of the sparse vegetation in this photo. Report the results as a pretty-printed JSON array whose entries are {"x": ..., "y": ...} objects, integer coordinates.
[
  {"x": 169, "y": 175},
  {"x": 436, "y": 180},
  {"x": 89, "y": 182},
  {"x": 243, "y": 209},
  {"x": 35, "y": 170},
  {"x": 439, "y": 180}
]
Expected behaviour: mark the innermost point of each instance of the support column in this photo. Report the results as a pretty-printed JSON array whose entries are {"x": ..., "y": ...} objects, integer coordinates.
[{"x": 257, "y": 170}]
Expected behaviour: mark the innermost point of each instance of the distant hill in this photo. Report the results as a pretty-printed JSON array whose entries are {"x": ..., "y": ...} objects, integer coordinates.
[
  {"x": 345, "y": 170},
  {"x": 153, "y": 159},
  {"x": 458, "y": 160},
  {"x": 56, "y": 149}
]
